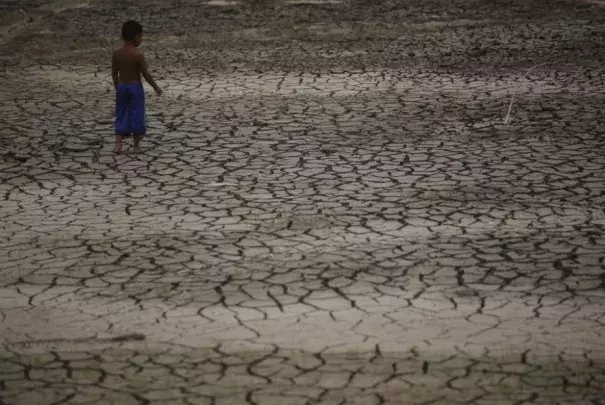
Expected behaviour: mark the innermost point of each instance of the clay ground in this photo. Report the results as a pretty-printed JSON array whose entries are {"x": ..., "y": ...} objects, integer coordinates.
[{"x": 330, "y": 208}]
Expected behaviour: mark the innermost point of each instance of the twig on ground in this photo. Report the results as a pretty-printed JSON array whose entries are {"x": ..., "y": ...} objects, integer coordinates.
[{"x": 512, "y": 97}]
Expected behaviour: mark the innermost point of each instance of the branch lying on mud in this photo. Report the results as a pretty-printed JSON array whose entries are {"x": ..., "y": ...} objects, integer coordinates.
[{"x": 512, "y": 97}]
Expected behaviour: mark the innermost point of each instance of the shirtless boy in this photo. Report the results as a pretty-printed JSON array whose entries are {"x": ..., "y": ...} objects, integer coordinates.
[{"x": 127, "y": 66}]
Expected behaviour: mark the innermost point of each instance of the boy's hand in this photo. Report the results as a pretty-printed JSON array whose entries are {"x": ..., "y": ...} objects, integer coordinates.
[{"x": 158, "y": 91}]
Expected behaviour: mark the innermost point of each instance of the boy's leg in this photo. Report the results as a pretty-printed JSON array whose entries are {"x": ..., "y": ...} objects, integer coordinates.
[
  {"x": 139, "y": 125},
  {"x": 119, "y": 143},
  {"x": 137, "y": 140},
  {"x": 121, "y": 115}
]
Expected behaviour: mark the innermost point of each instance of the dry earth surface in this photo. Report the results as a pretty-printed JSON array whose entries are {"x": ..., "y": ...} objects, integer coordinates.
[{"x": 330, "y": 208}]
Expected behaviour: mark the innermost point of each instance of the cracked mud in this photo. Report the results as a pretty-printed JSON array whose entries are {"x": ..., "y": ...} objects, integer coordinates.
[{"x": 330, "y": 208}]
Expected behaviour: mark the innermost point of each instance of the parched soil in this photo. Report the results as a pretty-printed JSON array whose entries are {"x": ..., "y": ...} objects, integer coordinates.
[
  {"x": 354, "y": 202},
  {"x": 461, "y": 35}
]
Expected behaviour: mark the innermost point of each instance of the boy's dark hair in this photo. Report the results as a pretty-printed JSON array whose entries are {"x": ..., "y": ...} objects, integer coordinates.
[{"x": 130, "y": 30}]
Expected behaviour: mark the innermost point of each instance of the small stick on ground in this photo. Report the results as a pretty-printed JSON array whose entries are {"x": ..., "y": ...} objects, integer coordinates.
[{"x": 512, "y": 97}]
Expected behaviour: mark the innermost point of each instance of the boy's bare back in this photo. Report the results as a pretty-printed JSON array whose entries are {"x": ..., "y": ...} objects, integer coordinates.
[
  {"x": 128, "y": 61},
  {"x": 129, "y": 64}
]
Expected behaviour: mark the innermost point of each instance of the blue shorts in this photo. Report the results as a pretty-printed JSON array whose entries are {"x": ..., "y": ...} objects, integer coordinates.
[{"x": 130, "y": 109}]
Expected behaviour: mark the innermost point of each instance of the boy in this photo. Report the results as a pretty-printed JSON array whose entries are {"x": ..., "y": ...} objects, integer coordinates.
[{"x": 127, "y": 66}]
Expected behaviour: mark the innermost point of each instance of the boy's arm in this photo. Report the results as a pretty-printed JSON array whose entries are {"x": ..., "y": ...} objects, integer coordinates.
[
  {"x": 115, "y": 71},
  {"x": 147, "y": 75}
]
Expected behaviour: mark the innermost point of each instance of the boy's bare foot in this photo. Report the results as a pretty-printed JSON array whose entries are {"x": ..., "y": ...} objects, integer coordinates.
[
  {"x": 119, "y": 143},
  {"x": 137, "y": 150}
]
